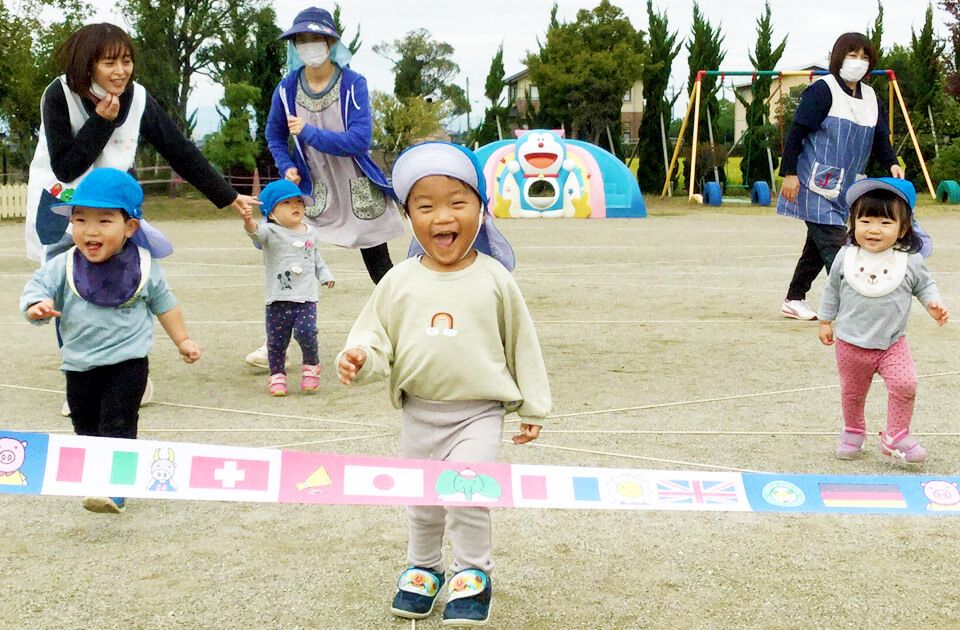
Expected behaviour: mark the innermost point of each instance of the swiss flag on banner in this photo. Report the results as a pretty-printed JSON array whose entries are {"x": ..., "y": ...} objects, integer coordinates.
[{"x": 229, "y": 474}]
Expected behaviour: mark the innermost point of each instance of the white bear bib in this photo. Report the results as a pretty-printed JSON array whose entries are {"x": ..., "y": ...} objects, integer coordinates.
[{"x": 874, "y": 274}]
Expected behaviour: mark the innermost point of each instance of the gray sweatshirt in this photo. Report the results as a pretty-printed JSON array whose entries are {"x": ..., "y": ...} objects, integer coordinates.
[
  {"x": 294, "y": 268},
  {"x": 874, "y": 322}
]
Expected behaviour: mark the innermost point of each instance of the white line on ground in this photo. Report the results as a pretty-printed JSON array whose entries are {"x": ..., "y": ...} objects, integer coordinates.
[
  {"x": 649, "y": 459},
  {"x": 345, "y": 439}
]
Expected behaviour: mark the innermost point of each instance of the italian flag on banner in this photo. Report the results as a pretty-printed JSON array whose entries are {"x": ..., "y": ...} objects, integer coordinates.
[{"x": 81, "y": 466}]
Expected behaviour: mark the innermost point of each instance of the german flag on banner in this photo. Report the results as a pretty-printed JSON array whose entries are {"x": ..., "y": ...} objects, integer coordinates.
[{"x": 862, "y": 495}]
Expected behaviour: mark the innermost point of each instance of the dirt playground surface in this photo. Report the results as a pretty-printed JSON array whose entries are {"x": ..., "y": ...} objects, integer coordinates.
[{"x": 679, "y": 310}]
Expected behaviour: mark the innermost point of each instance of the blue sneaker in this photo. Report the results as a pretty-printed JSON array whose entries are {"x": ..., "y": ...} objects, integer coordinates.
[
  {"x": 417, "y": 593},
  {"x": 104, "y": 505},
  {"x": 468, "y": 601}
]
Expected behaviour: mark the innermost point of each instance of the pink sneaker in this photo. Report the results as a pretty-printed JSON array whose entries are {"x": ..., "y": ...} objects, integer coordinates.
[
  {"x": 902, "y": 448},
  {"x": 310, "y": 378},
  {"x": 851, "y": 443},
  {"x": 278, "y": 384}
]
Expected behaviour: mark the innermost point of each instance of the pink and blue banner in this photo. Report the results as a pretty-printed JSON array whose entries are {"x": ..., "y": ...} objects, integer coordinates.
[{"x": 72, "y": 465}]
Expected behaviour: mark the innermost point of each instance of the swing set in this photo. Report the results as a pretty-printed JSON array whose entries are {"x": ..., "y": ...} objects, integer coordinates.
[{"x": 760, "y": 193}]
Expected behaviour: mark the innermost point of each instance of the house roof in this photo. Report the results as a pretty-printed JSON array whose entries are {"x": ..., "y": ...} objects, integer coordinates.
[{"x": 513, "y": 78}]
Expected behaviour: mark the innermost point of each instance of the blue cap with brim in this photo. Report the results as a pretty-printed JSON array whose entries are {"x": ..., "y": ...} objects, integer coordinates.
[
  {"x": 312, "y": 20},
  {"x": 276, "y": 191},
  {"x": 451, "y": 160},
  {"x": 112, "y": 189},
  {"x": 901, "y": 188}
]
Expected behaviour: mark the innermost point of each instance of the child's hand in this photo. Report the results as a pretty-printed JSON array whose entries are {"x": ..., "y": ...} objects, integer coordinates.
[
  {"x": 329, "y": 285},
  {"x": 246, "y": 214},
  {"x": 528, "y": 433},
  {"x": 826, "y": 333},
  {"x": 42, "y": 310},
  {"x": 244, "y": 202},
  {"x": 189, "y": 350},
  {"x": 293, "y": 175},
  {"x": 350, "y": 363},
  {"x": 938, "y": 311},
  {"x": 295, "y": 125}
]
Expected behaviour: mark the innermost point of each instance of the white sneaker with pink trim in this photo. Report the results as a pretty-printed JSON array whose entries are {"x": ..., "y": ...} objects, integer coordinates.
[{"x": 797, "y": 309}]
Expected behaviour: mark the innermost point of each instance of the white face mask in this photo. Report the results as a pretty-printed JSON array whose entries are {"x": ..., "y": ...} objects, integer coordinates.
[
  {"x": 313, "y": 53},
  {"x": 853, "y": 69},
  {"x": 97, "y": 90}
]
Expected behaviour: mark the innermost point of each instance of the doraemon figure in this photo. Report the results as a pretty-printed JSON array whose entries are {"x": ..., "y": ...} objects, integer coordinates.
[{"x": 541, "y": 181}]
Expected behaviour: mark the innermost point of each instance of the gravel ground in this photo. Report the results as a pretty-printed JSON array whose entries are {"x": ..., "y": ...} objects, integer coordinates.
[{"x": 681, "y": 307}]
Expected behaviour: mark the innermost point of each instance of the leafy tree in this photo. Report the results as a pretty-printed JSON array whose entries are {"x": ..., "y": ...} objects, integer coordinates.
[
  {"x": 355, "y": 43},
  {"x": 663, "y": 50},
  {"x": 759, "y": 133},
  {"x": 875, "y": 35},
  {"x": 495, "y": 117},
  {"x": 952, "y": 61},
  {"x": 584, "y": 68},
  {"x": 422, "y": 67},
  {"x": 27, "y": 43},
  {"x": 169, "y": 36},
  {"x": 399, "y": 123},
  {"x": 231, "y": 147},
  {"x": 249, "y": 52},
  {"x": 705, "y": 53}
]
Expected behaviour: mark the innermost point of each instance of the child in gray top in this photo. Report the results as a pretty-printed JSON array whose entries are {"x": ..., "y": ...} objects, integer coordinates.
[
  {"x": 865, "y": 305},
  {"x": 294, "y": 269}
]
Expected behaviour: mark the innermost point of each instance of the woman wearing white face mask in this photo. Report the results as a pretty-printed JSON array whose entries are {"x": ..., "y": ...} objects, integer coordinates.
[
  {"x": 839, "y": 123},
  {"x": 324, "y": 105}
]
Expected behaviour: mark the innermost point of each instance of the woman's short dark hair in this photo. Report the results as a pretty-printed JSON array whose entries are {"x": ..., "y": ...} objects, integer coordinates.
[
  {"x": 886, "y": 205},
  {"x": 80, "y": 53},
  {"x": 852, "y": 42}
]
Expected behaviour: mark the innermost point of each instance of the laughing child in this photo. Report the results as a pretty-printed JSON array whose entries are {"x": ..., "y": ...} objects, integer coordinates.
[
  {"x": 106, "y": 290},
  {"x": 451, "y": 331}
]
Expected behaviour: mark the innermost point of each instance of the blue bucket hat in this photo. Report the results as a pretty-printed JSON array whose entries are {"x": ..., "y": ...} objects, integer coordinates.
[
  {"x": 312, "y": 20},
  {"x": 451, "y": 160},
  {"x": 109, "y": 188},
  {"x": 902, "y": 188},
  {"x": 275, "y": 192}
]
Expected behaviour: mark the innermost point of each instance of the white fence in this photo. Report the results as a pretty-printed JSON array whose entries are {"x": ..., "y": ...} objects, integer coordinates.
[{"x": 13, "y": 201}]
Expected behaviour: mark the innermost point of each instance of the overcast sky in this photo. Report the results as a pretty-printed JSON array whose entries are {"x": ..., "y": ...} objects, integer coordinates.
[{"x": 476, "y": 29}]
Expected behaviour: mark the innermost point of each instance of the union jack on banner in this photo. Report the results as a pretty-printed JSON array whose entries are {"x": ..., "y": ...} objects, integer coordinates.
[{"x": 696, "y": 492}]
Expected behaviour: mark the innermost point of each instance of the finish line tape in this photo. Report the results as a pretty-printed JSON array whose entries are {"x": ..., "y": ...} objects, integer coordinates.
[{"x": 72, "y": 465}]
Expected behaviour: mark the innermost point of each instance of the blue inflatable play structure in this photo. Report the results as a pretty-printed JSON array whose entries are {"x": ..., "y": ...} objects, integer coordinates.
[{"x": 542, "y": 175}]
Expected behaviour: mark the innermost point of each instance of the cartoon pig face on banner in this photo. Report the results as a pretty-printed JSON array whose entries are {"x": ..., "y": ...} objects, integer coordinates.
[{"x": 12, "y": 454}]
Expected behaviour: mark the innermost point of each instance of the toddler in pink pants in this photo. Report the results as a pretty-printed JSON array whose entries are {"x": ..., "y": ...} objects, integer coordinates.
[{"x": 865, "y": 307}]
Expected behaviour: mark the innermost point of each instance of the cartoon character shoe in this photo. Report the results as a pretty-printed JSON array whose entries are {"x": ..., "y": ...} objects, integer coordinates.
[
  {"x": 104, "y": 505},
  {"x": 417, "y": 593},
  {"x": 310, "y": 378},
  {"x": 278, "y": 384},
  {"x": 851, "y": 444},
  {"x": 902, "y": 448},
  {"x": 468, "y": 600}
]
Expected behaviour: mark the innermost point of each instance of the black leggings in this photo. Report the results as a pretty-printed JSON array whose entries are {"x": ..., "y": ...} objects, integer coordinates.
[
  {"x": 105, "y": 401},
  {"x": 823, "y": 243},
  {"x": 377, "y": 260}
]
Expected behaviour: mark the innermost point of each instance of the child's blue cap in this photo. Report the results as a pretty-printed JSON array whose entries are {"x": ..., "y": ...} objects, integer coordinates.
[
  {"x": 275, "y": 192},
  {"x": 451, "y": 160},
  {"x": 312, "y": 20},
  {"x": 105, "y": 188},
  {"x": 109, "y": 188},
  {"x": 902, "y": 188}
]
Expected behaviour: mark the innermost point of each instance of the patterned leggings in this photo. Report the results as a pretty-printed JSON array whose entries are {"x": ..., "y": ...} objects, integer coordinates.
[
  {"x": 300, "y": 318},
  {"x": 894, "y": 365}
]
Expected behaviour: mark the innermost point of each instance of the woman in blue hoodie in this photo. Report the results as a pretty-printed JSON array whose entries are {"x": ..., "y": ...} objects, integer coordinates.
[{"x": 324, "y": 105}]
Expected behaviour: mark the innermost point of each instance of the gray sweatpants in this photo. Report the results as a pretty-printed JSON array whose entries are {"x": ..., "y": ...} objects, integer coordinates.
[{"x": 466, "y": 431}]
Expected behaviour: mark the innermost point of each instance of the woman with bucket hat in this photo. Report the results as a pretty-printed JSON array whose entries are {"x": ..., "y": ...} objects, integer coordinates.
[{"x": 324, "y": 105}]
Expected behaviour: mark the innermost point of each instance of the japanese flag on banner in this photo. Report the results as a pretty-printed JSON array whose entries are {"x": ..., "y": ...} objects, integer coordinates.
[{"x": 382, "y": 481}]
